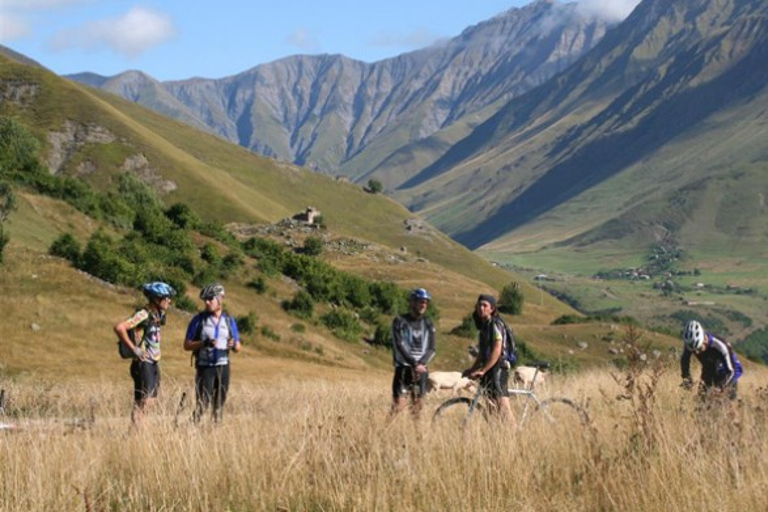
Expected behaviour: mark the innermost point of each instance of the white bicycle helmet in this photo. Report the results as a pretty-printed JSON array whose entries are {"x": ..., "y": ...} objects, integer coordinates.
[{"x": 694, "y": 336}]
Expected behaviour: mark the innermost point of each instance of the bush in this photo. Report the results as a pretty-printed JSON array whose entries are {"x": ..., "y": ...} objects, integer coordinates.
[
  {"x": 375, "y": 186},
  {"x": 302, "y": 304},
  {"x": 382, "y": 336},
  {"x": 183, "y": 217},
  {"x": 511, "y": 299},
  {"x": 313, "y": 246},
  {"x": 246, "y": 324},
  {"x": 466, "y": 329},
  {"x": 4, "y": 239},
  {"x": 259, "y": 284},
  {"x": 343, "y": 324},
  {"x": 66, "y": 246},
  {"x": 102, "y": 259},
  {"x": 7, "y": 205},
  {"x": 388, "y": 298}
]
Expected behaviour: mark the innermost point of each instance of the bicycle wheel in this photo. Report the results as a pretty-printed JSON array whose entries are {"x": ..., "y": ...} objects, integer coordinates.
[
  {"x": 560, "y": 414},
  {"x": 455, "y": 412}
]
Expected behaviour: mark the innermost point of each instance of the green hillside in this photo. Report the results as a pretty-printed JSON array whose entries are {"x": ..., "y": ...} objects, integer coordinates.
[{"x": 97, "y": 138}]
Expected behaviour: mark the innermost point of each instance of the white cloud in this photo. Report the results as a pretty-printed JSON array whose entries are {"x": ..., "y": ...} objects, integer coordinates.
[
  {"x": 13, "y": 27},
  {"x": 304, "y": 40},
  {"x": 132, "y": 34},
  {"x": 611, "y": 10},
  {"x": 418, "y": 38}
]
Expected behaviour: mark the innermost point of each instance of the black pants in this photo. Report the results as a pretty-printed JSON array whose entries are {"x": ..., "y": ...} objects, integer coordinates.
[
  {"x": 146, "y": 380},
  {"x": 211, "y": 385}
]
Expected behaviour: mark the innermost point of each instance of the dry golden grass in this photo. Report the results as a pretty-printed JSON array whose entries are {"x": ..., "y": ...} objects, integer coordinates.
[{"x": 328, "y": 445}]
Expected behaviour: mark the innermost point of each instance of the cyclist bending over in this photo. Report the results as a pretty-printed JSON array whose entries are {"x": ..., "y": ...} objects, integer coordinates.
[{"x": 720, "y": 368}]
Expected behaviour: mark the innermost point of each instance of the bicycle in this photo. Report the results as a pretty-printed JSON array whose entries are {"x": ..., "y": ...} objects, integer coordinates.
[{"x": 528, "y": 409}]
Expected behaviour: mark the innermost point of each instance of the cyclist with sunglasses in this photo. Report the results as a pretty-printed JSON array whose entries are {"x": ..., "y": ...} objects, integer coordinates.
[
  {"x": 211, "y": 335},
  {"x": 145, "y": 367}
]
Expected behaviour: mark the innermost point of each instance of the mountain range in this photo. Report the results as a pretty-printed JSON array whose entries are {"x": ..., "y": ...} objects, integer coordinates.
[{"x": 541, "y": 126}]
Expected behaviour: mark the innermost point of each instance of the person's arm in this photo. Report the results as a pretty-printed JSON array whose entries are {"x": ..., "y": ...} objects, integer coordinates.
[
  {"x": 496, "y": 350},
  {"x": 190, "y": 341},
  {"x": 398, "y": 344},
  {"x": 429, "y": 354},
  {"x": 721, "y": 347},
  {"x": 122, "y": 328},
  {"x": 234, "y": 336}
]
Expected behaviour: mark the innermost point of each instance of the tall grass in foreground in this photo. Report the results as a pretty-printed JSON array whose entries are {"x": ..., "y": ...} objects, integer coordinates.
[{"x": 329, "y": 446}]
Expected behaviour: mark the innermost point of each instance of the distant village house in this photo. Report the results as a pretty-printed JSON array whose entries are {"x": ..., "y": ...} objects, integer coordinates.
[{"x": 309, "y": 215}]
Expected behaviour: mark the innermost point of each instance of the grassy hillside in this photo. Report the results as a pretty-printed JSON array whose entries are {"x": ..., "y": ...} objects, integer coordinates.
[{"x": 96, "y": 137}]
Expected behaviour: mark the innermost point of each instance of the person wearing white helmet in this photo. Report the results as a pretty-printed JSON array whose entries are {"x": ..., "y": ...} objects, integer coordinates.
[
  {"x": 211, "y": 335},
  {"x": 720, "y": 367},
  {"x": 141, "y": 334},
  {"x": 413, "y": 347}
]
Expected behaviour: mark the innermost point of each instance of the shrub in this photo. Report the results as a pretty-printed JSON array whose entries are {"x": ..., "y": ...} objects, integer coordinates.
[
  {"x": 388, "y": 298},
  {"x": 343, "y": 324},
  {"x": 246, "y": 324},
  {"x": 302, "y": 304},
  {"x": 382, "y": 336},
  {"x": 231, "y": 263},
  {"x": 466, "y": 329},
  {"x": 210, "y": 254},
  {"x": 511, "y": 299},
  {"x": 313, "y": 246},
  {"x": 102, "y": 259},
  {"x": 7, "y": 205},
  {"x": 259, "y": 284},
  {"x": 183, "y": 217},
  {"x": 66, "y": 246},
  {"x": 267, "y": 331},
  {"x": 375, "y": 186}
]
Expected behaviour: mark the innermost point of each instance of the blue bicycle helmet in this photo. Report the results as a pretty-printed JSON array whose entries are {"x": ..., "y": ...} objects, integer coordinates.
[
  {"x": 420, "y": 294},
  {"x": 158, "y": 290}
]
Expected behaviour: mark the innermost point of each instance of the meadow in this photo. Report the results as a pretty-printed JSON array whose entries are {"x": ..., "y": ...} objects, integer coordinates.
[{"x": 326, "y": 443}]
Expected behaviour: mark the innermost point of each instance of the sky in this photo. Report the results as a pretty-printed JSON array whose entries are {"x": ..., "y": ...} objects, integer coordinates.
[{"x": 180, "y": 39}]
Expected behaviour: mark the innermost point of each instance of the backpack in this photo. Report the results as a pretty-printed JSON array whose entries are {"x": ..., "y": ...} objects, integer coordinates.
[
  {"x": 122, "y": 348},
  {"x": 510, "y": 346}
]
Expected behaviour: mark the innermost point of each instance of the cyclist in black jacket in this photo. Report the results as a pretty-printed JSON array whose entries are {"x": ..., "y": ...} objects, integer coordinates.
[
  {"x": 720, "y": 368},
  {"x": 413, "y": 347}
]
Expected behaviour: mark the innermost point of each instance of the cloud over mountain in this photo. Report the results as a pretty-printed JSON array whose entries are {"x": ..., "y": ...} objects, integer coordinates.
[
  {"x": 132, "y": 34},
  {"x": 610, "y": 10}
]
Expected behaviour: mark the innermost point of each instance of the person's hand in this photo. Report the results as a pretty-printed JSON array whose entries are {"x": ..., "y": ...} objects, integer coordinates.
[
  {"x": 420, "y": 369},
  {"x": 209, "y": 343},
  {"x": 231, "y": 343},
  {"x": 140, "y": 354},
  {"x": 475, "y": 375}
]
